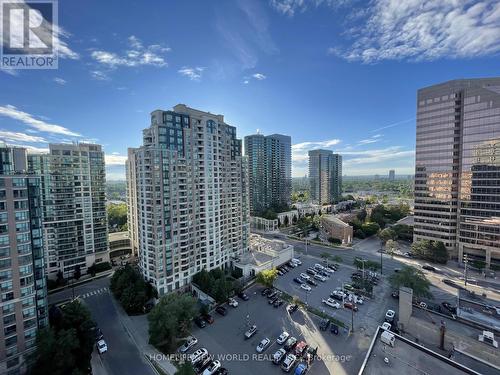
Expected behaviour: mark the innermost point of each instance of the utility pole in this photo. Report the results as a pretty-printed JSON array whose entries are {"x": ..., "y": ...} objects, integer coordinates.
[{"x": 466, "y": 262}]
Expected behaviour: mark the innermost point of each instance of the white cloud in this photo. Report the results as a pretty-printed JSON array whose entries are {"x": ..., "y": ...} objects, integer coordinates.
[
  {"x": 45, "y": 33},
  {"x": 194, "y": 74},
  {"x": 60, "y": 81},
  {"x": 113, "y": 159},
  {"x": 136, "y": 55},
  {"x": 425, "y": 31},
  {"x": 290, "y": 7},
  {"x": 259, "y": 76},
  {"x": 9, "y": 136},
  {"x": 99, "y": 75},
  {"x": 32, "y": 149},
  {"x": 15, "y": 114}
]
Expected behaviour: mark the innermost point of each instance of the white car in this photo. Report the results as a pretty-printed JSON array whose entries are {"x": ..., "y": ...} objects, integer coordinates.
[
  {"x": 291, "y": 264},
  {"x": 339, "y": 293},
  {"x": 330, "y": 270},
  {"x": 306, "y": 287},
  {"x": 263, "y": 345},
  {"x": 232, "y": 302},
  {"x": 212, "y": 368},
  {"x": 304, "y": 276},
  {"x": 331, "y": 302},
  {"x": 102, "y": 347},
  {"x": 386, "y": 326},
  {"x": 198, "y": 355},
  {"x": 282, "y": 338},
  {"x": 278, "y": 356},
  {"x": 320, "y": 277},
  {"x": 297, "y": 261},
  {"x": 319, "y": 267},
  {"x": 288, "y": 362},
  {"x": 389, "y": 316},
  {"x": 190, "y": 342}
]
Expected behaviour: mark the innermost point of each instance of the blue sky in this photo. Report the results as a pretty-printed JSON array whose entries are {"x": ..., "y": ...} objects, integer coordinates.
[{"x": 340, "y": 75}]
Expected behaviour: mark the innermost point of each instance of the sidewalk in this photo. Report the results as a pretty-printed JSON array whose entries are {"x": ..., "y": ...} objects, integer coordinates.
[{"x": 137, "y": 329}]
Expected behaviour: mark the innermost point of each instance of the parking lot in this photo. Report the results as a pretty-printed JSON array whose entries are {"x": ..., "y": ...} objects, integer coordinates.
[
  {"x": 369, "y": 314},
  {"x": 224, "y": 339}
]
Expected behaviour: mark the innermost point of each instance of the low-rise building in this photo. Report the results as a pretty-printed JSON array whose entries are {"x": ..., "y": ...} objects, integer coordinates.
[
  {"x": 263, "y": 254},
  {"x": 119, "y": 244},
  {"x": 333, "y": 227}
]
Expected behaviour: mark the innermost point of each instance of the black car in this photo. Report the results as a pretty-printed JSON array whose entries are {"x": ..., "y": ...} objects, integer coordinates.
[
  {"x": 278, "y": 302},
  {"x": 265, "y": 291},
  {"x": 395, "y": 294},
  {"x": 310, "y": 271},
  {"x": 200, "y": 322},
  {"x": 449, "y": 307},
  {"x": 293, "y": 308},
  {"x": 221, "y": 310},
  {"x": 336, "y": 296},
  {"x": 298, "y": 280},
  {"x": 97, "y": 333},
  {"x": 312, "y": 282},
  {"x": 428, "y": 268},
  {"x": 324, "y": 324},
  {"x": 222, "y": 371},
  {"x": 272, "y": 294},
  {"x": 243, "y": 296},
  {"x": 334, "y": 329},
  {"x": 272, "y": 300}
]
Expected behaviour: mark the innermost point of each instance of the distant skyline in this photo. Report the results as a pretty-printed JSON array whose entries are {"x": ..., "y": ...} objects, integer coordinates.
[{"x": 339, "y": 75}]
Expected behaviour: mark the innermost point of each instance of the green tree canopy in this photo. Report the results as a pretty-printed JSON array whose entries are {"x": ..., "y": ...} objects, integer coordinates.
[
  {"x": 267, "y": 277},
  {"x": 433, "y": 251},
  {"x": 170, "y": 319},
  {"x": 130, "y": 289},
  {"x": 413, "y": 278},
  {"x": 370, "y": 228},
  {"x": 185, "y": 369},
  {"x": 387, "y": 234},
  {"x": 117, "y": 216}
]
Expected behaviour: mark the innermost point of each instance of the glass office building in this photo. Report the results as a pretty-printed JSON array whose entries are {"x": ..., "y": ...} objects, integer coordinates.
[{"x": 457, "y": 171}]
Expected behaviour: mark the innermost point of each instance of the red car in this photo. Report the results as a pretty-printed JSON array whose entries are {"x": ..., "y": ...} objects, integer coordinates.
[
  {"x": 350, "y": 306},
  {"x": 300, "y": 348}
]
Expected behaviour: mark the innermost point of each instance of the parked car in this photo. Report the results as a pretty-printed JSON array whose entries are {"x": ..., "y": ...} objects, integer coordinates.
[
  {"x": 386, "y": 326},
  {"x": 272, "y": 300},
  {"x": 311, "y": 271},
  {"x": 298, "y": 280},
  {"x": 389, "y": 316},
  {"x": 102, "y": 347},
  {"x": 265, "y": 291},
  {"x": 292, "y": 308},
  {"x": 348, "y": 287},
  {"x": 290, "y": 343},
  {"x": 350, "y": 306},
  {"x": 319, "y": 266},
  {"x": 297, "y": 261},
  {"x": 190, "y": 342},
  {"x": 263, "y": 345},
  {"x": 232, "y": 302},
  {"x": 304, "y": 276},
  {"x": 222, "y": 371},
  {"x": 291, "y": 264},
  {"x": 98, "y": 336},
  {"x": 221, "y": 310},
  {"x": 288, "y": 363},
  {"x": 429, "y": 268},
  {"x": 278, "y": 356},
  {"x": 312, "y": 282},
  {"x": 300, "y": 348},
  {"x": 208, "y": 318},
  {"x": 278, "y": 302},
  {"x": 272, "y": 294},
  {"x": 320, "y": 277},
  {"x": 306, "y": 287},
  {"x": 251, "y": 331},
  {"x": 338, "y": 295},
  {"x": 422, "y": 305},
  {"x": 334, "y": 329},
  {"x": 395, "y": 294},
  {"x": 212, "y": 368},
  {"x": 280, "y": 272},
  {"x": 331, "y": 302},
  {"x": 449, "y": 307},
  {"x": 197, "y": 355},
  {"x": 282, "y": 338},
  {"x": 202, "y": 364},
  {"x": 324, "y": 324},
  {"x": 301, "y": 369}
]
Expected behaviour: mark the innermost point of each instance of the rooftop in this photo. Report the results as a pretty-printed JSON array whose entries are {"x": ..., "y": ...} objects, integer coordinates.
[
  {"x": 334, "y": 219},
  {"x": 407, "y": 357}
]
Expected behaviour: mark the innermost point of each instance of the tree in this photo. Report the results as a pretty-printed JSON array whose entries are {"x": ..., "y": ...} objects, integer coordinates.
[
  {"x": 391, "y": 246},
  {"x": 413, "y": 278},
  {"x": 362, "y": 215},
  {"x": 267, "y": 277},
  {"x": 117, "y": 216},
  {"x": 387, "y": 234},
  {"x": 77, "y": 273},
  {"x": 433, "y": 251},
  {"x": 130, "y": 289},
  {"x": 170, "y": 319},
  {"x": 370, "y": 228},
  {"x": 337, "y": 258}
]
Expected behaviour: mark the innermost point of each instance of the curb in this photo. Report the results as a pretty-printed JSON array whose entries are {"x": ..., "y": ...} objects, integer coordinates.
[{"x": 80, "y": 282}]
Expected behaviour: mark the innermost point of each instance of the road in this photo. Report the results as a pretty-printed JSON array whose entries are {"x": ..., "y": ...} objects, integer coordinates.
[{"x": 123, "y": 356}]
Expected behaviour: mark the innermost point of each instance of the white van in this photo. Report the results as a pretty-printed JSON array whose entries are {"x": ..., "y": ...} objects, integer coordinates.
[{"x": 387, "y": 338}]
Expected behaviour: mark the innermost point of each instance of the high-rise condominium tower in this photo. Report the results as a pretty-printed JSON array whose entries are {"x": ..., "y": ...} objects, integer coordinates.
[
  {"x": 325, "y": 176},
  {"x": 22, "y": 278},
  {"x": 192, "y": 198},
  {"x": 457, "y": 172},
  {"x": 74, "y": 206},
  {"x": 133, "y": 230},
  {"x": 392, "y": 175},
  {"x": 270, "y": 171}
]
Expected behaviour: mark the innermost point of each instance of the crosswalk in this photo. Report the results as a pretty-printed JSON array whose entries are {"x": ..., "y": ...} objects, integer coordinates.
[{"x": 94, "y": 292}]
